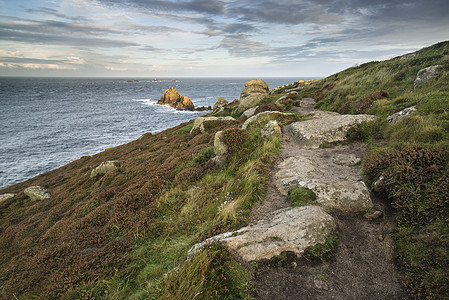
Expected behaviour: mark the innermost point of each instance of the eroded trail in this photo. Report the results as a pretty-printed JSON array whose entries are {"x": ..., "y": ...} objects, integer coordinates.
[{"x": 363, "y": 266}]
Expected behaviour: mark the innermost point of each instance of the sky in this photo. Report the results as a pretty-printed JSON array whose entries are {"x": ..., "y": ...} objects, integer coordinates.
[{"x": 219, "y": 38}]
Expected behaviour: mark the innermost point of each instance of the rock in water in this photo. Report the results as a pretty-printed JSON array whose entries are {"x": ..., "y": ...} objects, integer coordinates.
[
  {"x": 256, "y": 90},
  {"x": 291, "y": 229},
  {"x": 174, "y": 99},
  {"x": 37, "y": 193}
]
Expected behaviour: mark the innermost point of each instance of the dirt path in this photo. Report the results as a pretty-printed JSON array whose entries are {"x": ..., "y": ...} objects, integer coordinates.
[{"x": 362, "y": 267}]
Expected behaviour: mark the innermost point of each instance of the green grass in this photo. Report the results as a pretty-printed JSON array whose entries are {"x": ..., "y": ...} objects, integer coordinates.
[{"x": 301, "y": 196}]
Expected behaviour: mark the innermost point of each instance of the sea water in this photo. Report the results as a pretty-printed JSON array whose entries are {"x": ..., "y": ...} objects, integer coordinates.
[{"x": 48, "y": 122}]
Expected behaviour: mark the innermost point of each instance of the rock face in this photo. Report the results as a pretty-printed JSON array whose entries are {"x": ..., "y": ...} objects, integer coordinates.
[
  {"x": 220, "y": 104},
  {"x": 396, "y": 117},
  {"x": 312, "y": 133},
  {"x": 263, "y": 115},
  {"x": 292, "y": 229},
  {"x": 174, "y": 99},
  {"x": 220, "y": 147},
  {"x": 250, "y": 112},
  {"x": 104, "y": 167},
  {"x": 424, "y": 75},
  {"x": 307, "y": 103},
  {"x": 204, "y": 123},
  {"x": 256, "y": 90},
  {"x": 37, "y": 193},
  {"x": 271, "y": 128},
  {"x": 335, "y": 178}
]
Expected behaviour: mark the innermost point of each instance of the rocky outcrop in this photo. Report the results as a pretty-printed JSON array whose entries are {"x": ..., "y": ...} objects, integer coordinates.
[
  {"x": 219, "y": 105},
  {"x": 312, "y": 133},
  {"x": 271, "y": 128},
  {"x": 332, "y": 173},
  {"x": 206, "y": 123},
  {"x": 5, "y": 197},
  {"x": 104, "y": 167},
  {"x": 292, "y": 229},
  {"x": 424, "y": 75},
  {"x": 249, "y": 112},
  {"x": 307, "y": 103},
  {"x": 256, "y": 90},
  {"x": 37, "y": 193},
  {"x": 174, "y": 99},
  {"x": 263, "y": 115},
  {"x": 396, "y": 117}
]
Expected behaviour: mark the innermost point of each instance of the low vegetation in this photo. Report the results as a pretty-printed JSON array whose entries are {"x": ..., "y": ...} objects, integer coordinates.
[{"x": 301, "y": 196}]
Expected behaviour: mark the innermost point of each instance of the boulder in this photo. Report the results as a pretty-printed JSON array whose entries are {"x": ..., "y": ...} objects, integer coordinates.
[
  {"x": 104, "y": 167},
  {"x": 220, "y": 104},
  {"x": 336, "y": 182},
  {"x": 206, "y": 123},
  {"x": 307, "y": 103},
  {"x": 174, "y": 99},
  {"x": 291, "y": 229},
  {"x": 37, "y": 193},
  {"x": 250, "y": 112},
  {"x": 220, "y": 147},
  {"x": 263, "y": 115},
  {"x": 424, "y": 75},
  {"x": 5, "y": 197},
  {"x": 312, "y": 133},
  {"x": 396, "y": 117},
  {"x": 271, "y": 128},
  {"x": 256, "y": 90}
]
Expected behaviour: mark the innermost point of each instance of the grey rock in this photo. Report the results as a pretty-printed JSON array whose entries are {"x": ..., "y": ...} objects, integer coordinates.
[
  {"x": 104, "y": 167},
  {"x": 271, "y": 128},
  {"x": 250, "y": 112},
  {"x": 347, "y": 160},
  {"x": 220, "y": 147},
  {"x": 335, "y": 185},
  {"x": 256, "y": 90},
  {"x": 202, "y": 123},
  {"x": 320, "y": 284},
  {"x": 424, "y": 75},
  {"x": 396, "y": 117},
  {"x": 307, "y": 103},
  {"x": 220, "y": 104},
  {"x": 312, "y": 133},
  {"x": 292, "y": 229},
  {"x": 37, "y": 193},
  {"x": 264, "y": 114}
]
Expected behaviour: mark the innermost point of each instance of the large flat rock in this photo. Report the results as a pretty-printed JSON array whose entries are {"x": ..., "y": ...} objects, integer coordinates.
[
  {"x": 334, "y": 174},
  {"x": 312, "y": 133},
  {"x": 292, "y": 229}
]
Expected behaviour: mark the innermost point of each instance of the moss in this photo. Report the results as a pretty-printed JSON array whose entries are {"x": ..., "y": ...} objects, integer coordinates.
[
  {"x": 301, "y": 196},
  {"x": 323, "y": 251}
]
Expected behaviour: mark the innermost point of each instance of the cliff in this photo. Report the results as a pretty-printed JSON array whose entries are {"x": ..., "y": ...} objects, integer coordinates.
[{"x": 125, "y": 233}]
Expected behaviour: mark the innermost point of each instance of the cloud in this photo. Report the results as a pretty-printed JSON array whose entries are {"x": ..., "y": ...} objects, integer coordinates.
[
  {"x": 60, "y": 33},
  {"x": 55, "y": 13}
]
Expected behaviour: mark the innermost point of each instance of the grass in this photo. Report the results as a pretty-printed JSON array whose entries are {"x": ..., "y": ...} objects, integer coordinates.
[{"x": 301, "y": 196}]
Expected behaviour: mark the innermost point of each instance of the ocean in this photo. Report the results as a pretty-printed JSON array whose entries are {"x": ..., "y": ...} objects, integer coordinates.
[{"x": 46, "y": 123}]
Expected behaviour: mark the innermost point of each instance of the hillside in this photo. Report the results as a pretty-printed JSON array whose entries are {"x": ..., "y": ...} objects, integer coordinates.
[{"x": 125, "y": 234}]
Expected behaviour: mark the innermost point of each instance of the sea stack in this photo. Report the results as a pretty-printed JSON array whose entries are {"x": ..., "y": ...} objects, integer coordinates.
[{"x": 174, "y": 99}]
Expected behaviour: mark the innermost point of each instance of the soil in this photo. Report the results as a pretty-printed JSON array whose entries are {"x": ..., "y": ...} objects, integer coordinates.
[{"x": 362, "y": 266}]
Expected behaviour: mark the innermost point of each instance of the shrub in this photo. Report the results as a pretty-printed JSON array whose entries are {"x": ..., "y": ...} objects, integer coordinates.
[
  {"x": 267, "y": 107},
  {"x": 363, "y": 104},
  {"x": 301, "y": 196},
  {"x": 235, "y": 139}
]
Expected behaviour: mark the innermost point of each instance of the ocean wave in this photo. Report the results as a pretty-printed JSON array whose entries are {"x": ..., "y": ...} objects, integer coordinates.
[{"x": 164, "y": 108}]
